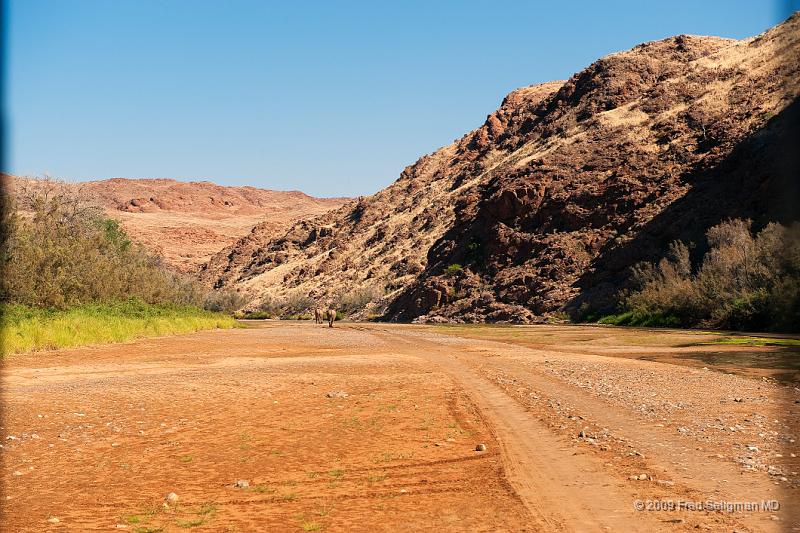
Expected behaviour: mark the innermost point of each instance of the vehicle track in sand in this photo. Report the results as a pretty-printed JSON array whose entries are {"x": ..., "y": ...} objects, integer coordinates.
[{"x": 566, "y": 486}]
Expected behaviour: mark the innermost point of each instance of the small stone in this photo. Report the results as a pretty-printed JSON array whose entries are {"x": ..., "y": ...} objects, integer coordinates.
[
  {"x": 171, "y": 498},
  {"x": 642, "y": 477},
  {"x": 582, "y": 434},
  {"x": 336, "y": 394},
  {"x": 752, "y": 448},
  {"x": 53, "y": 520},
  {"x": 480, "y": 447},
  {"x": 665, "y": 483},
  {"x": 242, "y": 484}
]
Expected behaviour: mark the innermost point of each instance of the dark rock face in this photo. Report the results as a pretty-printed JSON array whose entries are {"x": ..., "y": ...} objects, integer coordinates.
[{"x": 652, "y": 145}]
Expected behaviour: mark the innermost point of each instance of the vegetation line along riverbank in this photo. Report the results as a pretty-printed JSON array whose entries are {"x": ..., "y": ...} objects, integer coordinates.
[
  {"x": 28, "y": 329},
  {"x": 72, "y": 277}
]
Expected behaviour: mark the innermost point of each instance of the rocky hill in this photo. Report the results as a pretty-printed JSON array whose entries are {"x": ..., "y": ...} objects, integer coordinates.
[
  {"x": 188, "y": 222},
  {"x": 544, "y": 207}
]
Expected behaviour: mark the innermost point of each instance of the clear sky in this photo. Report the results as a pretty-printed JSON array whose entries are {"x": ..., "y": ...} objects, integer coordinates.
[{"x": 332, "y": 98}]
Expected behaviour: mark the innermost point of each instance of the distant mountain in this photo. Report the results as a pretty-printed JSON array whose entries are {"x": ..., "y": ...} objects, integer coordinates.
[
  {"x": 188, "y": 222},
  {"x": 544, "y": 207}
]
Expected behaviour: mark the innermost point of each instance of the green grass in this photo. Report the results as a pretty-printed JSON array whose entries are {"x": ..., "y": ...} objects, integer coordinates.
[
  {"x": 192, "y": 522},
  {"x": 648, "y": 320},
  {"x": 756, "y": 341},
  {"x": 207, "y": 508},
  {"x": 28, "y": 329}
]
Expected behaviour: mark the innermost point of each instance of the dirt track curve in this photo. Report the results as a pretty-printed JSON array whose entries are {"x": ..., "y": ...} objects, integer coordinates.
[{"x": 373, "y": 427}]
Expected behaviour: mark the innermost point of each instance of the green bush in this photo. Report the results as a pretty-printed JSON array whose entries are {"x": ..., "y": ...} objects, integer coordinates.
[
  {"x": 61, "y": 252},
  {"x": 58, "y": 251},
  {"x": 744, "y": 281},
  {"x": 453, "y": 269}
]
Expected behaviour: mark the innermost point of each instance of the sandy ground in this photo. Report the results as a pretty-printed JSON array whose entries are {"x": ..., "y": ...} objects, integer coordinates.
[{"x": 374, "y": 428}]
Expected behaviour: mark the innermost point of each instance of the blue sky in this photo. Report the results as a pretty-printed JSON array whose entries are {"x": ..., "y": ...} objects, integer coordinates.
[{"x": 332, "y": 98}]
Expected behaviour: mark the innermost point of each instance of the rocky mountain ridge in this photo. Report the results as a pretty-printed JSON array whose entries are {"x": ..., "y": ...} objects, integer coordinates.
[{"x": 544, "y": 208}]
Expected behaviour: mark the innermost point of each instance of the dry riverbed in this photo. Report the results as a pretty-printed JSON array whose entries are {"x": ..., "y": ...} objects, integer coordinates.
[{"x": 292, "y": 427}]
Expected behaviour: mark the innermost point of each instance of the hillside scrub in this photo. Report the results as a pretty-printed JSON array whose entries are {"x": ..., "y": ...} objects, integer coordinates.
[
  {"x": 355, "y": 300},
  {"x": 28, "y": 329},
  {"x": 745, "y": 281}
]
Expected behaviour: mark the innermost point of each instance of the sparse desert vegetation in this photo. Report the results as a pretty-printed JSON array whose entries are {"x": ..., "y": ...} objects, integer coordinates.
[{"x": 745, "y": 281}]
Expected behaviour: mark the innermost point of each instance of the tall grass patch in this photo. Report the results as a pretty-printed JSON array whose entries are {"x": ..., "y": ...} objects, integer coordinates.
[{"x": 30, "y": 329}]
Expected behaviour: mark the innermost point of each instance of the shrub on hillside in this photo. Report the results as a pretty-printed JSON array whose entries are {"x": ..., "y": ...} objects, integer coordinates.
[
  {"x": 453, "y": 269},
  {"x": 745, "y": 281}
]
